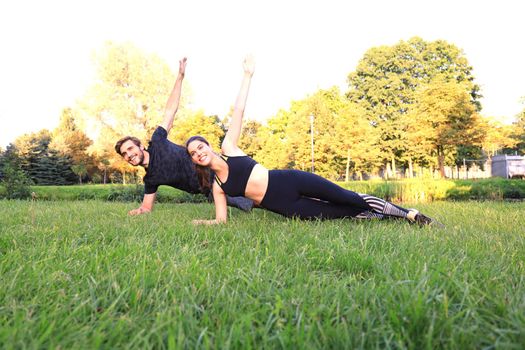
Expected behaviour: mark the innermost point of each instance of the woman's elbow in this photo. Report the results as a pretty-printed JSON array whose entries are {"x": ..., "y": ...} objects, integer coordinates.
[{"x": 226, "y": 146}]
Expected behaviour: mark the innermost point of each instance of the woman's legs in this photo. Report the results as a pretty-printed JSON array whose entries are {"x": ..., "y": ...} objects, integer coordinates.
[
  {"x": 383, "y": 207},
  {"x": 290, "y": 193},
  {"x": 314, "y": 186},
  {"x": 306, "y": 195},
  {"x": 389, "y": 210}
]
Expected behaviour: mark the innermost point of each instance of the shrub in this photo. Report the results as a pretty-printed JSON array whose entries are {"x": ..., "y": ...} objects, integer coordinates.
[
  {"x": 428, "y": 190},
  {"x": 126, "y": 193},
  {"x": 16, "y": 183}
]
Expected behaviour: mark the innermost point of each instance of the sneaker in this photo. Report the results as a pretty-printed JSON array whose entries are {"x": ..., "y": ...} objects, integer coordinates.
[{"x": 414, "y": 216}]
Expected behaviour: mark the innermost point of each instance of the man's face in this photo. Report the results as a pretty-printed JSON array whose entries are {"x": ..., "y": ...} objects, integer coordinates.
[{"x": 132, "y": 153}]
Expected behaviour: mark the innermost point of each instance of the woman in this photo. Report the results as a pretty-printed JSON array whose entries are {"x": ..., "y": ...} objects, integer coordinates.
[{"x": 292, "y": 193}]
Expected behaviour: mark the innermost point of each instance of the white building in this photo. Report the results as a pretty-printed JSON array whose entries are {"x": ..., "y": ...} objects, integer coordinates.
[{"x": 508, "y": 166}]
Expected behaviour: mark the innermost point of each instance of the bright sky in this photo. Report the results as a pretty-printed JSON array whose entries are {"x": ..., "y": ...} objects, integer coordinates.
[{"x": 299, "y": 46}]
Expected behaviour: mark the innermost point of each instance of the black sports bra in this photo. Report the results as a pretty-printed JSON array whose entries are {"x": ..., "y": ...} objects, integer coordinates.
[{"x": 239, "y": 171}]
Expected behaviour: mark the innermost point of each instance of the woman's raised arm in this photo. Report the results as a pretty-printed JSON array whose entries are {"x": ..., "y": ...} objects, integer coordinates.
[{"x": 229, "y": 145}]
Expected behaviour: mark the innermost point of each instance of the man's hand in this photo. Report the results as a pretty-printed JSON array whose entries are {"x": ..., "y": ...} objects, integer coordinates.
[
  {"x": 146, "y": 206},
  {"x": 138, "y": 211}
]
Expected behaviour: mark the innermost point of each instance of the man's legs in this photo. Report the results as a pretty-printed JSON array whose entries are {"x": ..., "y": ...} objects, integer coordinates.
[{"x": 241, "y": 203}]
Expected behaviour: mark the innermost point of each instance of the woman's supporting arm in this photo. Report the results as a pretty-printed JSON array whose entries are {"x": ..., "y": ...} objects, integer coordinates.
[{"x": 221, "y": 209}]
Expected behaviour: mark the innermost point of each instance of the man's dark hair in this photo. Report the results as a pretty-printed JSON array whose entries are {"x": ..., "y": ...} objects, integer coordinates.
[{"x": 119, "y": 143}]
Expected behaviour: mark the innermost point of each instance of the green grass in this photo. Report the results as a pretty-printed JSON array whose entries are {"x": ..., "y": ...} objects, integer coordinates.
[{"x": 85, "y": 275}]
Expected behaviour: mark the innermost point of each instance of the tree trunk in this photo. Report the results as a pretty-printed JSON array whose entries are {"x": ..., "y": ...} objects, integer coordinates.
[
  {"x": 347, "y": 174},
  {"x": 394, "y": 171},
  {"x": 123, "y": 177},
  {"x": 441, "y": 161}
]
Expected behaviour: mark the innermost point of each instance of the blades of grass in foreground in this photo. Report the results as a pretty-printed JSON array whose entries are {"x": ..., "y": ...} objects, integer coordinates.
[{"x": 85, "y": 275}]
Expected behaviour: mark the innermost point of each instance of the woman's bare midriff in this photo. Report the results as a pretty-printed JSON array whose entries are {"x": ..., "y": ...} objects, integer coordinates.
[{"x": 257, "y": 184}]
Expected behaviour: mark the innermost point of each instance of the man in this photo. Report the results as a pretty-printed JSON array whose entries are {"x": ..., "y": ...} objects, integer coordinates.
[{"x": 166, "y": 163}]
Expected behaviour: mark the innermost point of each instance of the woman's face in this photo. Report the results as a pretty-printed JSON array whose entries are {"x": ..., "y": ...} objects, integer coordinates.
[{"x": 200, "y": 153}]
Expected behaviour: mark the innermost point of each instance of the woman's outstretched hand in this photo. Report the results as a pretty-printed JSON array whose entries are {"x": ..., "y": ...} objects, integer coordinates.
[
  {"x": 249, "y": 65},
  {"x": 182, "y": 66},
  {"x": 208, "y": 222}
]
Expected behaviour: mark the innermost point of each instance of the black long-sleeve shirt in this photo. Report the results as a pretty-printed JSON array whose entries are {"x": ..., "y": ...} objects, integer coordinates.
[{"x": 169, "y": 164}]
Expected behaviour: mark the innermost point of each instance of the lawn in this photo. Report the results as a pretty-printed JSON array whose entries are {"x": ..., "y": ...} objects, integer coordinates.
[{"x": 82, "y": 274}]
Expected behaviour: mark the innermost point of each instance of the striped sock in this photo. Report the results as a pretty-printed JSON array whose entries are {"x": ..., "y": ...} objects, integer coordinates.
[
  {"x": 368, "y": 214},
  {"x": 383, "y": 207}
]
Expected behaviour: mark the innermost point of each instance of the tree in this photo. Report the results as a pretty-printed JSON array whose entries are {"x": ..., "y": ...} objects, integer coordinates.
[
  {"x": 274, "y": 152},
  {"x": 518, "y": 133},
  {"x": 387, "y": 78},
  {"x": 2, "y": 161},
  {"x": 53, "y": 169},
  {"x": 356, "y": 141},
  {"x": 497, "y": 136},
  {"x": 342, "y": 136},
  {"x": 251, "y": 141},
  {"x": 30, "y": 148},
  {"x": 103, "y": 165},
  {"x": 14, "y": 179},
  {"x": 72, "y": 142},
  {"x": 128, "y": 98},
  {"x": 44, "y": 165},
  {"x": 444, "y": 119},
  {"x": 80, "y": 170},
  {"x": 286, "y": 140},
  {"x": 198, "y": 124}
]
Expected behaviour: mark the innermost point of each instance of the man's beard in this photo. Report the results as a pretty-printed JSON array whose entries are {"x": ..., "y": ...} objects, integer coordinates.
[{"x": 141, "y": 158}]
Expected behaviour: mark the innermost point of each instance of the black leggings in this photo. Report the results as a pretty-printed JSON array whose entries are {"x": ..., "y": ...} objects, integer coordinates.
[{"x": 295, "y": 193}]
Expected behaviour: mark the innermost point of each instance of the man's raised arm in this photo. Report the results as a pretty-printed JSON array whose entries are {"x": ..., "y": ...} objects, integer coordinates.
[{"x": 173, "y": 101}]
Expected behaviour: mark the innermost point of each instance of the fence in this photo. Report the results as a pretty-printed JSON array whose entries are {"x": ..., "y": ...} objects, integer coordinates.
[{"x": 469, "y": 170}]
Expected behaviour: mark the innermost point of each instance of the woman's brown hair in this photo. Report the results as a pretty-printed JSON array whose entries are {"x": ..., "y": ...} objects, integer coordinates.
[{"x": 203, "y": 173}]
